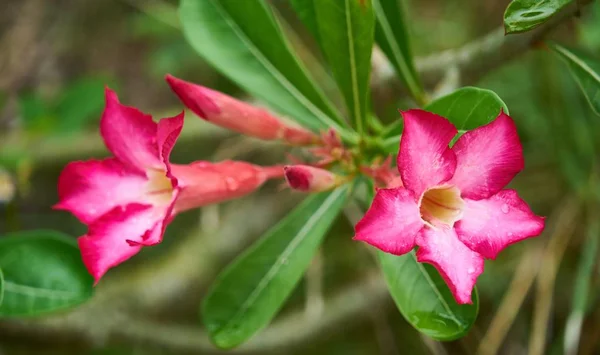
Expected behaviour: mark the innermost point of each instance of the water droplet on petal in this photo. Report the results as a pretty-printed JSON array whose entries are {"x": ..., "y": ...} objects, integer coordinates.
[
  {"x": 231, "y": 183},
  {"x": 504, "y": 208},
  {"x": 510, "y": 234},
  {"x": 471, "y": 270}
]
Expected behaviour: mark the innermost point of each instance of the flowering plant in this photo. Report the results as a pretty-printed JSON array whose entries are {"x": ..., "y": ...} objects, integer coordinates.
[{"x": 431, "y": 185}]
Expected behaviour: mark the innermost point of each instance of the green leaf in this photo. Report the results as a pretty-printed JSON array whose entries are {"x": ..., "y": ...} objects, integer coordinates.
[
  {"x": 585, "y": 70},
  {"x": 392, "y": 36},
  {"x": 43, "y": 273},
  {"x": 34, "y": 111},
  {"x": 1, "y": 287},
  {"x": 424, "y": 299},
  {"x": 244, "y": 41},
  {"x": 345, "y": 32},
  {"x": 525, "y": 15},
  {"x": 248, "y": 294},
  {"x": 80, "y": 103},
  {"x": 467, "y": 108}
]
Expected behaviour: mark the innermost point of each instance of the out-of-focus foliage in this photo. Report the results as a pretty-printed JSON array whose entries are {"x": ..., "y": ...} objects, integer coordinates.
[
  {"x": 585, "y": 70},
  {"x": 42, "y": 273}
]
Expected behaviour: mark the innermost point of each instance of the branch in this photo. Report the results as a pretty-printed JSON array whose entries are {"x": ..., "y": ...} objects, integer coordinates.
[
  {"x": 477, "y": 58},
  {"x": 101, "y": 325}
]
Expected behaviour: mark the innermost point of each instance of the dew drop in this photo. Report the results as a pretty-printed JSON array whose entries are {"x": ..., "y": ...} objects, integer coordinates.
[
  {"x": 504, "y": 208},
  {"x": 232, "y": 185},
  {"x": 471, "y": 270}
]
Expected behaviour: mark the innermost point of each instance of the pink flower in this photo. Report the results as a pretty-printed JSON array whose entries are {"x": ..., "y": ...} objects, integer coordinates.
[
  {"x": 452, "y": 205},
  {"x": 238, "y": 116},
  {"x": 310, "y": 179},
  {"x": 128, "y": 200}
]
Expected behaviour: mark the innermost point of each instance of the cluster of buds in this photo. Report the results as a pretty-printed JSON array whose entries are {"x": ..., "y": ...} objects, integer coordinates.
[{"x": 128, "y": 200}]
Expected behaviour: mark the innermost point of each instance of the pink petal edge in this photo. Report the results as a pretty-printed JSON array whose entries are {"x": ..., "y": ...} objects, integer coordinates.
[
  {"x": 488, "y": 158},
  {"x": 392, "y": 222},
  {"x": 458, "y": 265},
  {"x": 89, "y": 189},
  {"x": 488, "y": 226},
  {"x": 106, "y": 243},
  {"x": 425, "y": 158},
  {"x": 129, "y": 134}
]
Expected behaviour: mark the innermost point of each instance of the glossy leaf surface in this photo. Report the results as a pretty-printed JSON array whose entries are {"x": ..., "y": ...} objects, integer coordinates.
[
  {"x": 43, "y": 273},
  {"x": 250, "y": 291},
  {"x": 525, "y": 15},
  {"x": 467, "y": 108},
  {"x": 344, "y": 30},
  {"x": 424, "y": 299},
  {"x": 243, "y": 40},
  {"x": 392, "y": 37}
]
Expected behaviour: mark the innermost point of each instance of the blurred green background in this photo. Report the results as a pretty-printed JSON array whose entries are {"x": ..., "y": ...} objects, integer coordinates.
[{"x": 57, "y": 56}]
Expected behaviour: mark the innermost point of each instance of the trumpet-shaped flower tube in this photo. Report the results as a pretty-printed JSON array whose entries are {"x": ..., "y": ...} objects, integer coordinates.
[{"x": 452, "y": 204}]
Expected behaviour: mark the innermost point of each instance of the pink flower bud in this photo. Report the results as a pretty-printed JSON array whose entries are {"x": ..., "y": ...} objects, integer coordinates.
[
  {"x": 204, "y": 183},
  {"x": 310, "y": 179},
  {"x": 238, "y": 116}
]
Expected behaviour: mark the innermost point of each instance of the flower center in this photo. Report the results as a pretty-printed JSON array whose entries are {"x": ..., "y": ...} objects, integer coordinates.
[
  {"x": 441, "y": 205},
  {"x": 159, "y": 188}
]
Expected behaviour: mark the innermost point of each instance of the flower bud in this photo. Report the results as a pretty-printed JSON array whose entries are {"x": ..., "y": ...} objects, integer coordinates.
[
  {"x": 310, "y": 179},
  {"x": 202, "y": 183},
  {"x": 238, "y": 116}
]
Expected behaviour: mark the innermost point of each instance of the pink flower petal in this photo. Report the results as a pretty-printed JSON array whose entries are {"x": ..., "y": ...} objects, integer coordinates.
[
  {"x": 113, "y": 238},
  {"x": 168, "y": 130},
  {"x": 488, "y": 158},
  {"x": 92, "y": 188},
  {"x": 424, "y": 159},
  {"x": 490, "y": 225},
  {"x": 457, "y": 264},
  {"x": 392, "y": 222},
  {"x": 155, "y": 235},
  {"x": 129, "y": 134}
]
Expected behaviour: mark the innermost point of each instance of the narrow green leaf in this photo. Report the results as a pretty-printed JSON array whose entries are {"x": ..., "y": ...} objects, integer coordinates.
[
  {"x": 585, "y": 70},
  {"x": 392, "y": 37},
  {"x": 244, "y": 41},
  {"x": 345, "y": 31},
  {"x": 43, "y": 273},
  {"x": 1, "y": 287},
  {"x": 525, "y": 15},
  {"x": 467, "y": 108},
  {"x": 248, "y": 294},
  {"x": 424, "y": 299},
  {"x": 581, "y": 292}
]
